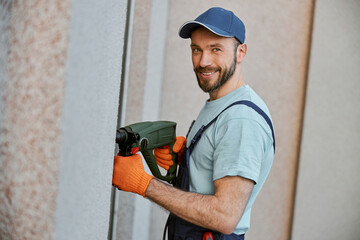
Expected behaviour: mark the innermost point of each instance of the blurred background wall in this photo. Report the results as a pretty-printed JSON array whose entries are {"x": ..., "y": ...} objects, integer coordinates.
[
  {"x": 327, "y": 202},
  {"x": 62, "y": 66}
]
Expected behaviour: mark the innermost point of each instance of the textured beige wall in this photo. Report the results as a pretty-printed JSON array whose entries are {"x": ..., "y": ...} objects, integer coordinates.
[
  {"x": 137, "y": 71},
  {"x": 278, "y": 34},
  {"x": 31, "y": 118}
]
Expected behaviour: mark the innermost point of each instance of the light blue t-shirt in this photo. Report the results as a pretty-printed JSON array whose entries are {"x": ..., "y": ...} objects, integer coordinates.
[{"x": 238, "y": 143}]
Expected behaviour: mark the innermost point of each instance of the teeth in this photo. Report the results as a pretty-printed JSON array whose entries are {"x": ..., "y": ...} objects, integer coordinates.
[{"x": 207, "y": 74}]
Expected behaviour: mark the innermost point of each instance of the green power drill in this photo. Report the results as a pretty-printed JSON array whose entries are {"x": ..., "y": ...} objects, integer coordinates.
[{"x": 146, "y": 136}]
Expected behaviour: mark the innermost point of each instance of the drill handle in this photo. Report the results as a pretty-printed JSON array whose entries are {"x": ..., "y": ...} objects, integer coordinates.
[{"x": 154, "y": 168}]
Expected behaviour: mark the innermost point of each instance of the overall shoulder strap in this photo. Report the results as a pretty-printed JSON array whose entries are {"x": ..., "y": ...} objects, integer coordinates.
[
  {"x": 244, "y": 102},
  {"x": 259, "y": 111}
]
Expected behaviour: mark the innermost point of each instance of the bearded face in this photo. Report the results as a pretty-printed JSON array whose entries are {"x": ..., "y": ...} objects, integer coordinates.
[
  {"x": 214, "y": 59},
  {"x": 224, "y": 74}
]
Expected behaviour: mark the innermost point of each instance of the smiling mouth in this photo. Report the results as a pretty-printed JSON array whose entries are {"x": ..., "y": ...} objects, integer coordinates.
[{"x": 207, "y": 73}]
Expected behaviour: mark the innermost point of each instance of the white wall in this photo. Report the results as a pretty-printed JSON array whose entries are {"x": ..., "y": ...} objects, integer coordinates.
[{"x": 90, "y": 115}]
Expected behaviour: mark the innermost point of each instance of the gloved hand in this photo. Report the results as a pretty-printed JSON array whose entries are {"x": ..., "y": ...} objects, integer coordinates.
[
  {"x": 129, "y": 174},
  {"x": 163, "y": 157}
]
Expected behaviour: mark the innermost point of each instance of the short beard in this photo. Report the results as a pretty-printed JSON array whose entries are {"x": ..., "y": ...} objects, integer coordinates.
[{"x": 223, "y": 78}]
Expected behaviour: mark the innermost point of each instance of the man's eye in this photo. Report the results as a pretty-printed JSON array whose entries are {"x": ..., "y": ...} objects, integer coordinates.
[{"x": 216, "y": 49}]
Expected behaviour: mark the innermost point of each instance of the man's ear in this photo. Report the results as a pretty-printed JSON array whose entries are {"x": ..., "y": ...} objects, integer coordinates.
[{"x": 241, "y": 52}]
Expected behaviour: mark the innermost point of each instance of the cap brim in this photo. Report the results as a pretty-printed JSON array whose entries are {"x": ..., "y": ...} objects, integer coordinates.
[{"x": 187, "y": 28}]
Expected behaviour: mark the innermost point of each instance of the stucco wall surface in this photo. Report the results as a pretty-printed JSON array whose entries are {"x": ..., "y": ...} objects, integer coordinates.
[
  {"x": 60, "y": 78},
  {"x": 5, "y": 7},
  {"x": 93, "y": 74},
  {"x": 30, "y": 125}
]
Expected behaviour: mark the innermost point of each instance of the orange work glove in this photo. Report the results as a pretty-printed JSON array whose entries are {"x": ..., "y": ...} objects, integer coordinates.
[
  {"x": 163, "y": 157},
  {"x": 129, "y": 174}
]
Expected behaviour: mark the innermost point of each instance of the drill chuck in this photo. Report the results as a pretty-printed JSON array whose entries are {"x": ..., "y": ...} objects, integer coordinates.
[{"x": 121, "y": 136}]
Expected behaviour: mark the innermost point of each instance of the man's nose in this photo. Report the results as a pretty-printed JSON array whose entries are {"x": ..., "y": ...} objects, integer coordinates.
[{"x": 205, "y": 60}]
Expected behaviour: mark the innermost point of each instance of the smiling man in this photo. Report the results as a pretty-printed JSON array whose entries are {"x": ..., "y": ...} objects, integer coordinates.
[{"x": 230, "y": 147}]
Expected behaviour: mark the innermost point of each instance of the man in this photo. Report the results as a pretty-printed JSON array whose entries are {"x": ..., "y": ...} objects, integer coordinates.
[{"x": 230, "y": 147}]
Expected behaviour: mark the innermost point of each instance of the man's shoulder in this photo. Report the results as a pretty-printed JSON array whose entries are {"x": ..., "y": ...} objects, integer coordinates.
[
  {"x": 245, "y": 93},
  {"x": 244, "y": 113}
]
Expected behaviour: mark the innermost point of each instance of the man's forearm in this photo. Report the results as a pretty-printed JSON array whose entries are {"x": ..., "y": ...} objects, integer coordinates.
[{"x": 209, "y": 211}]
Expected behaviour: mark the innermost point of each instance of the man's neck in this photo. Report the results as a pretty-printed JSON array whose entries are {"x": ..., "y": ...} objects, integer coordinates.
[{"x": 234, "y": 83}]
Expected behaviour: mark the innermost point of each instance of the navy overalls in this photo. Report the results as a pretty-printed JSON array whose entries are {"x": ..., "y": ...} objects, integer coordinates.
[{"x": 179, "y": 229}]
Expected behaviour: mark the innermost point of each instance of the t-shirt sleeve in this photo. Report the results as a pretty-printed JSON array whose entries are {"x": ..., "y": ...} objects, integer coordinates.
[{"x": 239, "y": 149}]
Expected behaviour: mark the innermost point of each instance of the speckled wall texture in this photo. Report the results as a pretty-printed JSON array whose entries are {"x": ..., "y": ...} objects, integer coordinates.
[
  {"x": 59, "y": 104},
  {"x": 31, "y": 118}
]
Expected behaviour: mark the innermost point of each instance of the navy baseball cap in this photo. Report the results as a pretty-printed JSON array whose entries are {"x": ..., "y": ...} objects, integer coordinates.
[{"x": 220, "y": 21}]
